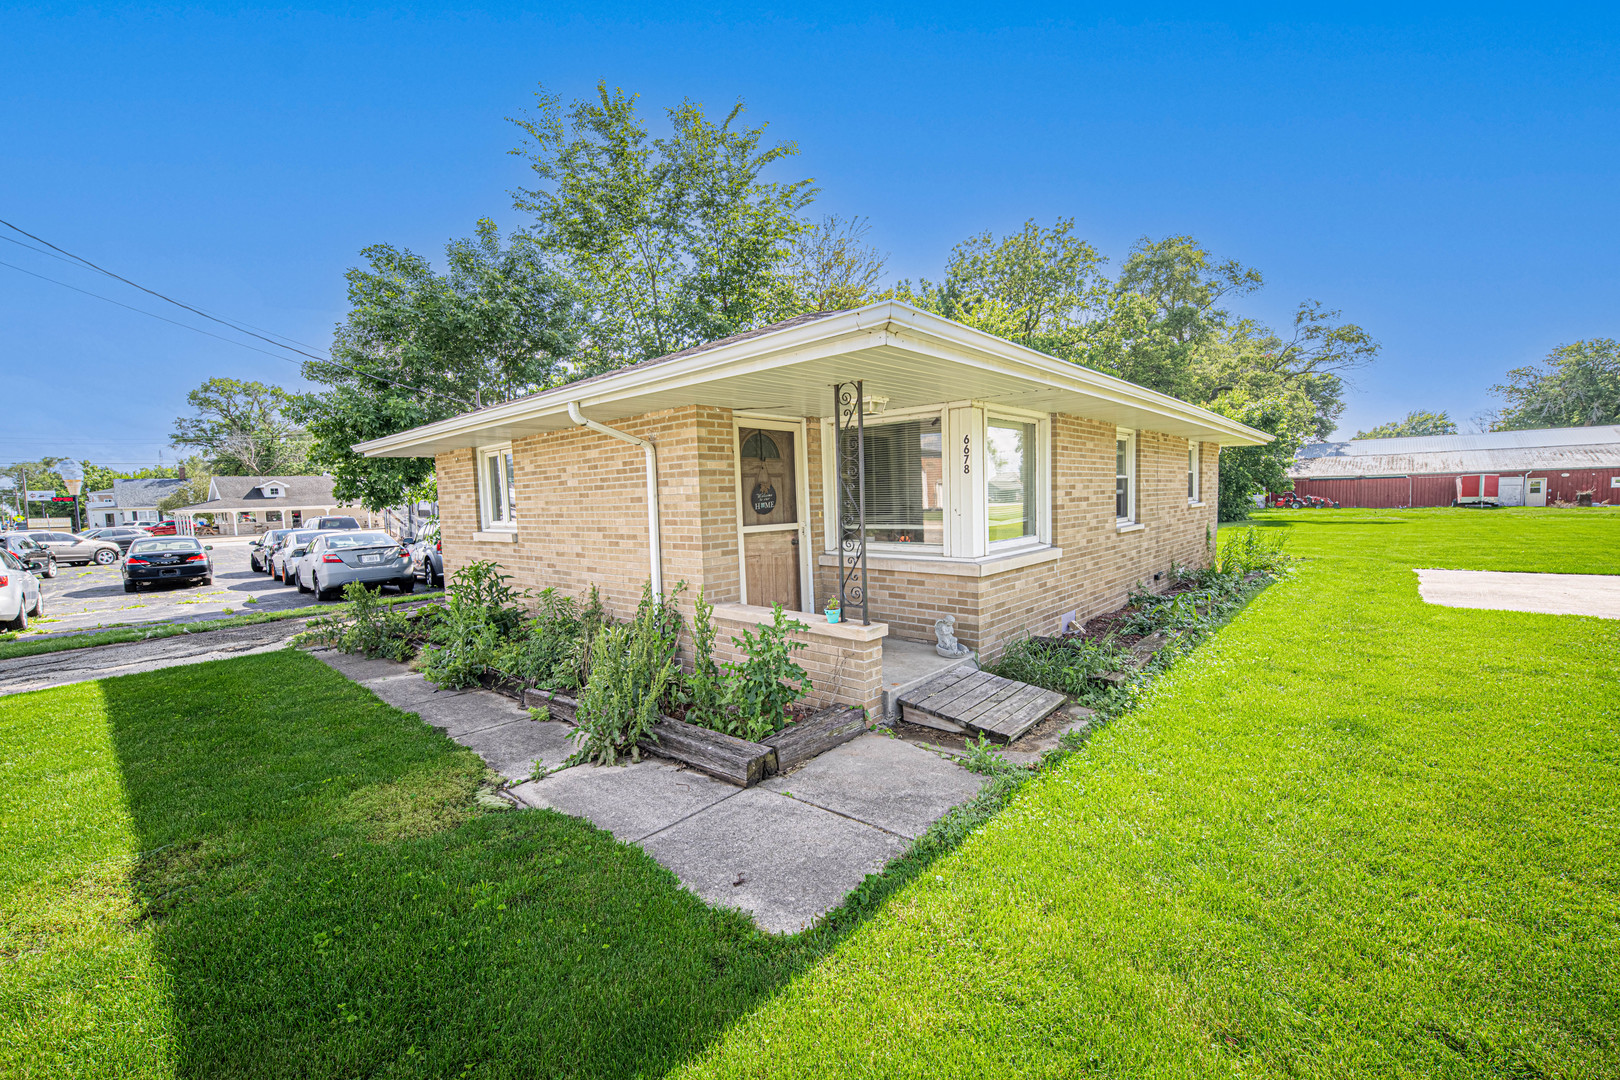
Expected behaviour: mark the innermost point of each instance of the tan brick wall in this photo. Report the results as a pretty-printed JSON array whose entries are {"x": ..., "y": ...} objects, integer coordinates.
[
  {"x": 841, "y": 670},
  {"x": 582, "y": 521}
]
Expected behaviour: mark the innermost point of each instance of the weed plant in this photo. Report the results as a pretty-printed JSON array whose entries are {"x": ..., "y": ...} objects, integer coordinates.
[{"x": 634, "y": 679}]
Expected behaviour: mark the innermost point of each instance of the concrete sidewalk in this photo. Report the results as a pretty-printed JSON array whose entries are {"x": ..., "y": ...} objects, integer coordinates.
[{"x": 787, "y": 851}]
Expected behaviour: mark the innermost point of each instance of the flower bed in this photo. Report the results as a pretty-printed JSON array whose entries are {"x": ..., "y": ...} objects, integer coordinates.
[{"x": 621, "y": 684}]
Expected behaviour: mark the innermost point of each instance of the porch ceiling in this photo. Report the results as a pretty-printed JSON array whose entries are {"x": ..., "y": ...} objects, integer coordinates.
[{"x": 907, "y": 356}]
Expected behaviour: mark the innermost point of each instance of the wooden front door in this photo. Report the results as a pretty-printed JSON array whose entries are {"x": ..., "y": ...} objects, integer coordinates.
[{"x": 768, "y": 481}]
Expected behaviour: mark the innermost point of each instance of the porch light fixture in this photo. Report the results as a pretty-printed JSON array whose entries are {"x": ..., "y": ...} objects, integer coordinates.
[{"x": 874, "y": 404}]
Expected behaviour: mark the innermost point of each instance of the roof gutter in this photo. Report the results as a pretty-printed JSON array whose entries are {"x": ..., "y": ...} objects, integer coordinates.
[{"x": 654, "y": 532}]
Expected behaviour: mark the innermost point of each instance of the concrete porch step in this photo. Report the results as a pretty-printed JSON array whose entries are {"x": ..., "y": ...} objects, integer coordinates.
[{"x": 909, "y": 664}]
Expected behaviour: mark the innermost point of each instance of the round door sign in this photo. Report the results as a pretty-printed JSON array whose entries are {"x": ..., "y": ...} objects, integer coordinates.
[{"x": 763, "y": 498}]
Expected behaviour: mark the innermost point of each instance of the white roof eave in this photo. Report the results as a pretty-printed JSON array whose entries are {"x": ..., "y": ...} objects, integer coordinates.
[{"x": 896, "y": 329}]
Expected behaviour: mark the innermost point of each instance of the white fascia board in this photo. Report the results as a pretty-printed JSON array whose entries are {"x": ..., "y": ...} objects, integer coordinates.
[
  {"x": 794, "y": 344},
  {"x": 1005, "y": 357},
  {"x": 883, "y": 323}
]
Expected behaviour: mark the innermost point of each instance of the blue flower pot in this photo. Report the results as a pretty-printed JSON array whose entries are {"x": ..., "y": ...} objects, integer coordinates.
[{"x": 833, "y": 614}]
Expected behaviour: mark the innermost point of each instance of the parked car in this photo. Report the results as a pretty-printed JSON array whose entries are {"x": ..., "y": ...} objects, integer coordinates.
[
  {"x": 31, "y": 553},
  {"x": 78, "y": 550},
  {"x": 20, "y": 594},
  {"x": 289, "y": 549},
  {"x": 259, "y": 550},
  {"x": 122, "y": 535},
  {"x": 167, "y": 558},
  {"x": 332, "y": 523},
  {"x": 336, "y": 558},
  {"x": 427, "y": 558},
  {"x": 163, "y": 528}
]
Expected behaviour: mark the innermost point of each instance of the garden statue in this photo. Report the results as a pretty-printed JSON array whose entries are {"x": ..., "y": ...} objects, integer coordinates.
[{"x": 946, "y": 643}]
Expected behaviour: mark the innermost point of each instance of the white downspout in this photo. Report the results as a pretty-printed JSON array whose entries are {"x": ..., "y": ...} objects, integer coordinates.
[{"x": 654, "y": 533}]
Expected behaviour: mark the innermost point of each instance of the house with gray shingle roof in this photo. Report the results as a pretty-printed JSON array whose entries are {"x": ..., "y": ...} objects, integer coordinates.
[
  {"x": 251, "y": 504},
  {"x": 128, "y": 502}
]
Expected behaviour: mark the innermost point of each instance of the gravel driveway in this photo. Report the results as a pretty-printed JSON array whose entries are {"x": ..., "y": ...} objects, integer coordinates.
[{"x": 85, "y": 597}]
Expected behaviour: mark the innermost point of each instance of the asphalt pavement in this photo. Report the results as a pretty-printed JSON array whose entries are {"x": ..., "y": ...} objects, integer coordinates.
[{"x": 88, "y": 597}]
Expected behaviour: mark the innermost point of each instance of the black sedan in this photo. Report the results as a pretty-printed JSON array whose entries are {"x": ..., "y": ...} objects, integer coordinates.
[
  {"x": 167, "y": 558},
  {"x": 122, "y": 535}
]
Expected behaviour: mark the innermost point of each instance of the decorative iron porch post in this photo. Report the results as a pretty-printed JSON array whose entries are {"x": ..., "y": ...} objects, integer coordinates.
[{"x": 850, "y": 492}]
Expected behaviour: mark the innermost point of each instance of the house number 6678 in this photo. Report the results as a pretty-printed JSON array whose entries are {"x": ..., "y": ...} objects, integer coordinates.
[{"x": 967, "y": 455}]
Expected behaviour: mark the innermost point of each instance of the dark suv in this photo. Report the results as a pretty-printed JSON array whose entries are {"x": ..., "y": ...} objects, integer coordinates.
[
  {"x": 332, "y": 523},
  {"x": 32, "y": 554}
]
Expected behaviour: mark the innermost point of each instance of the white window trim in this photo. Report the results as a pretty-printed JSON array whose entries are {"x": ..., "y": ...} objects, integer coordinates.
[
  {"x": 1043, "y": 500},
  {"x": 1129, "y": 436},
  {"x": 830, "y": 478},
  {"x": 966, "y": 492},
  {"x": 486, "y": 522},
  {"x": 1195, "y": 468}
]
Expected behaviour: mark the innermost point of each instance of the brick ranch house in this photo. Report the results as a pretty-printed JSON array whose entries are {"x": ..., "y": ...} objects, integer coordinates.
[{"x": 1004, "y": 487}]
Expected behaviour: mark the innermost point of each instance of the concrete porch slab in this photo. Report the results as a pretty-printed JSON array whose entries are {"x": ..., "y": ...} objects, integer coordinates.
[
  {"x": 882, "y": 781},
  {"x": 787, "y": 863},
  {"x": 907, "y": 664},
  {"x": 630, "y": 801},
  {"x": 513, "y": 749},
  {"x": 1551, "y": 594}
]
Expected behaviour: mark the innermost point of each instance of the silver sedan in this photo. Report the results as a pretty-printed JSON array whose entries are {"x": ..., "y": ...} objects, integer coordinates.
[
  {"x": 78, "y": 549},
  {"x": 336, "y": 558}
]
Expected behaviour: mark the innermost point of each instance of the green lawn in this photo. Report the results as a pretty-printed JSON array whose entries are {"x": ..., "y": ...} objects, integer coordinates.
[
  {"x": 254, "y": 868},
  {"x": 1350, "y": 835}
]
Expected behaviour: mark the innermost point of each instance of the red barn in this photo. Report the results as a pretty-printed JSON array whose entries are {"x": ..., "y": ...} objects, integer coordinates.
[{"x": 1541, "y": 467}]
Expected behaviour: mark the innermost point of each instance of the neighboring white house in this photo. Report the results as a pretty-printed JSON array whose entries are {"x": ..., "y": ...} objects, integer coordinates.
[
  {"x": 254, "y": 504},
  {"x": 128, "y": 502}
]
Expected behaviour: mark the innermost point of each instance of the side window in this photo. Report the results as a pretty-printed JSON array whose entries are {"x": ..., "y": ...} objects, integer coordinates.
[
  {"x": 497, "y": 488},
  {"x": 1125, "y": 476},
  {"x": 1194, "y": 481}
]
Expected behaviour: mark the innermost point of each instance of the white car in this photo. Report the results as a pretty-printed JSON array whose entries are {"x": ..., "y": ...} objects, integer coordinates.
[{"x": 20, "y": 596}]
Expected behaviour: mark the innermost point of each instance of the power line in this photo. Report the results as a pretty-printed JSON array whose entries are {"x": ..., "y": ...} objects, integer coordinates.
[
  {"x": 239, "y": 328},
  {"x": 77, "y": 265},
  {"x": 154, "y": 315}
]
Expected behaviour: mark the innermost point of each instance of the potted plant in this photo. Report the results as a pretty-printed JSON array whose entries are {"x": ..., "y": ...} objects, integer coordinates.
[{"x": 832, "y": 611}]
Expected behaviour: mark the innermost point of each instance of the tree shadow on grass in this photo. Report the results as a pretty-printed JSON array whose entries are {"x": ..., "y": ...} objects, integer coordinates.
[{"x": 332, "y": 901}]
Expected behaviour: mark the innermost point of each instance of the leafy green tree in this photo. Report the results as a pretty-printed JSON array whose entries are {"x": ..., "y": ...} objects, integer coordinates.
[
  {"x": 100, "y": 477},
  {"x": 242, "y": 429},
  {"x": 1577, "y": 385},
  {"x": 1414, "y": 424},
  {"x": 668, "y": 242},
  {"x": 1249, "y": 470},
  {"x": 1038, "y": 287},
  {"x": 420, "y": 346},
  {"x": 33, "y": 476},
  {"x": 199, "y": 477},
  {"x": 832, "y": 267}
]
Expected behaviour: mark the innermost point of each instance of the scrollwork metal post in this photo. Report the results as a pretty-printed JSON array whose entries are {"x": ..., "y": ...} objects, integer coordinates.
[{"x": 850, "y": 494}]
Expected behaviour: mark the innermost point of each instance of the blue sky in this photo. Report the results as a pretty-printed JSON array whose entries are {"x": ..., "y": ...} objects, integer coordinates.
[{"x": 1450, "y": 183}]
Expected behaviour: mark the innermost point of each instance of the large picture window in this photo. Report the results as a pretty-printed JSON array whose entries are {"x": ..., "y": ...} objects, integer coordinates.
[
  {"x": 497, "y": 488},
  {"x": 905, "y": 494},
  {"x": 1011, "y": 496},
  {"x": 1125, "y": 476}
]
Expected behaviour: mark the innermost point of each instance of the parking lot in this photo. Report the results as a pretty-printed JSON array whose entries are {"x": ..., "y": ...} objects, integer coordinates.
[{"x": 85, "y": 597}]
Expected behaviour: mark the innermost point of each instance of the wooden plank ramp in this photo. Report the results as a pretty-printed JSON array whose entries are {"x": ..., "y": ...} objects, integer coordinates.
[{"x": 966, "y": 700}]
